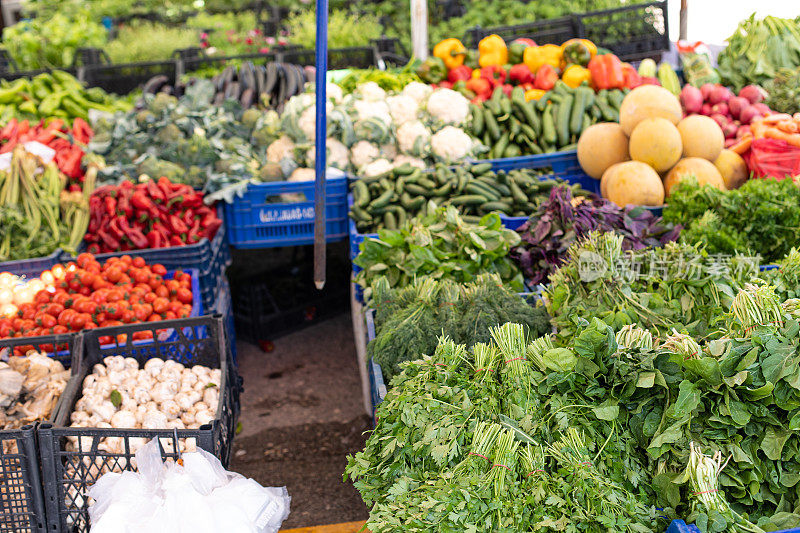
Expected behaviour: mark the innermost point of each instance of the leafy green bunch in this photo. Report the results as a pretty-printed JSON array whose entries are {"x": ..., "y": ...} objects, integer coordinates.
[
  {"x": 761, "y": 217},
  {"x": 409, "y": 320},
  {"x": 441, "y": 245},
  {"x": 677, "y": 286}
]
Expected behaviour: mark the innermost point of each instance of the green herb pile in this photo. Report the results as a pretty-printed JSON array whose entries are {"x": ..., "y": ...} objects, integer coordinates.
[
  {"x": 784, "y": 91},
  {"x": 408, "y": 321},
  {"x": 217, "y": 148},
  {"x": 758, "y": 49},
  {"x": 388, "y": 80},
  {"x": 441, "y": 245},
  {"x": 148, "y": 41},
  {"x": 345, "y": 29},
  {"x": 761, "y": 217},
  {"x": 520, "y": 435},
  {"x": 677, "y": 286}
]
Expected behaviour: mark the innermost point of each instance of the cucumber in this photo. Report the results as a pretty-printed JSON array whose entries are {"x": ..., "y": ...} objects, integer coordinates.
[
  {"x": 497, "y": 206},
  {"x": 517, "y": 193},
  {"x": 561, "y": 120},
  {"x": 488, "y": 194},
  {"x": 548, "y": 125},
  {"x": 605, "y": 107},
  {"x": 533, "y": 116},
  {"x": 541, "y": 103},
  {"x": 361, "y": 195},
  {"x": 357, "y": 214},
  {"x": 492, "y": 129},
  {"x": 382, "y": 200},
  {"x": 443, "y": 190},
  {"x": 615, "y": 97},
  {"x": 468, "y": 199},
  {"x": 576, "y": 113},
  {"x": 477, "y": 120},
  {"x": 480, "y": 169},
  {"x": 405, "y": 169},
  {"x": 417, "y": 190},
  {"x": 427, "y": 182},
  {"x": 500, "y": 147},
  {"x": 389, "y": 220}
]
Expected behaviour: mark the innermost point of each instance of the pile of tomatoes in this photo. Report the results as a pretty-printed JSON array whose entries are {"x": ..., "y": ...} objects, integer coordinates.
[{"x": 87, "y": 295}]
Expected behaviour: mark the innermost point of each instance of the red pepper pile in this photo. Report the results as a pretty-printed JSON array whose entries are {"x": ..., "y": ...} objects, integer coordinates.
[
  {"x": 91, "y": 295},
  {"x": 148, "y": 215},
  {"x": 68, "y": 143}
]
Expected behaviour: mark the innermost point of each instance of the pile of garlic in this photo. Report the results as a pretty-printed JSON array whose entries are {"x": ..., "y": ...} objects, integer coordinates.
[{"x": 162, "y": 395}]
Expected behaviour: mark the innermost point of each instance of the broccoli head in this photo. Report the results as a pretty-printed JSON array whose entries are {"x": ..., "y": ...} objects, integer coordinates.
[
  {"x": 153, "y": 166},
  {"x": 250, "y": 117},
  {"x": 161, "y": 102},
  {"x": 169, "y": 134}
]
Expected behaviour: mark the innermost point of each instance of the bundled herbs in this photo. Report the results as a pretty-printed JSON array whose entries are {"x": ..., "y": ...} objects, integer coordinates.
[
  {"x": 762, "y": 217},
  {"x": 564, "y": 219},
  {"x": 677, "y": 286},
  {"x": 784, "y": 91},
  {"x": 393, "y": 79},
  {"x": 386, "y": 200},
  {"x": 217, "y": 148},
  {"x": 440, "y": 245},
  {"x": 596, "y": 433},
  {"x": 758, "y": 49},
  {"x": 37, "y": 214},
  {"x": 409, "y": 320}
]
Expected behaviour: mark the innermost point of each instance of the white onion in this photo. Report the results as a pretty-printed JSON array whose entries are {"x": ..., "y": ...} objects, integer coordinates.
[
  {"x": 36, "y": 285},
  {"x": 8, "y": 309},
  {"x": 7, "y": 280},
  {"x": 47, "y": 277},
  {"x": 6, "y": 296}
]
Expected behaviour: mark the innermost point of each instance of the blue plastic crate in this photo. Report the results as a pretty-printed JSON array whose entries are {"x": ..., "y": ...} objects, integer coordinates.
[
  {"x": 255, "y": 222},
  {"x": 679, "y": 526},
  {"x": 209, "y": 258},
  {"x": 32, "y": 268},
  {"x": 377, "y": 387},
  {"x": 224, "y": 306}
]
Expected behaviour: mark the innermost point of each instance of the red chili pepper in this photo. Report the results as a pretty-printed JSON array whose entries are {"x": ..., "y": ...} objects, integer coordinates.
[
  {"x": 174, "y": 240},
  {"x": 70, "y": 162},
  {"x": 110, "y": 242},
  {"x": 110, "y": 205},
  {"x": 144, "y": 205},
  {"x": 211, "y": 228},
  {"x": 177, "y": 224},
  {"x": 81, "y": 131},
  {"x": 115, "y": 228},
  {"x": 192, "y": 200},
  {"x": 188, "y": 217},
  {"x": 9, "y": 130},
  {"x": 137, "y": 238},
  {"x": 155, "y": 192},
  {"x": 155, "y": 239},
  {"x": 194, "y": 232}
]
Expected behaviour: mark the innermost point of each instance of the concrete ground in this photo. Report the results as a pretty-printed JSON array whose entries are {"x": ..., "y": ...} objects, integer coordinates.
[{"x": 302, "y": 414}]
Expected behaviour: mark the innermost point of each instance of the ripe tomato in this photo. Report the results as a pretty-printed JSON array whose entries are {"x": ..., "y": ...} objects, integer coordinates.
[
  {"x": 154, "y": 318},
  {"x": 105, "y": 339},
  {"x": 60, "y": 330},
  {"x": 113, "y": 310},
  {"x": 113, "y": 274},
  {"x": 53, "y": 309},
  {"x": 78, "y": 321},
  {"x": 114, "y": 295},
  {"x": 171, "y": 316},
  {"x": 46, "y": 321},
  {"x": 99, "y": 296},
  {"x": 61, "y": 297},
  {"x": 174, "y": 306},
  {"x": 42, "y": 297},
  {"x": 138, "y": 262},
  {"x": 150, "y": 297},
  {"x": 160, "y": 305},
  {"x": 87, "y": 278},
  {"x": 141, "y": 276},
  {"x": 127, "y": 317},
  {"x": 162, "y": 292},
  {"x": 141, "y": 335},
  {"x": 158, "y": 269},
  {"x": 185, "y": 296},
  {"x": 83, "y": 259}
]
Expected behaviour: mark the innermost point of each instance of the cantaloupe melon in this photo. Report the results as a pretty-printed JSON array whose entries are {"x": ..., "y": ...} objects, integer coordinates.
[
  {"x": 607, "y": 176},
  {"x": 656, "y": 141},
  {"x": 636, "y": 183},
  {"x": 702, "y": 169},
  {"x": 702, "y": 137},
  {"x": 733, "y": 169},
  {"x": 648, "y": 101},
  {"x": 601, "y": 146}
]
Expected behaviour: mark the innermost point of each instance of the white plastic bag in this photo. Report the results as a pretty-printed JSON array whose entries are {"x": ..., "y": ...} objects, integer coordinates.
[{"x": 198, "y": 497}]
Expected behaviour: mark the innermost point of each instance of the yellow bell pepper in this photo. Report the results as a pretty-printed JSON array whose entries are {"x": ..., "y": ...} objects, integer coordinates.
[
  {"x": 476, "y": 73},
  {"x": 536, "y": 56},
  {"x": 534, "y": 94},
  {"x": 493, "y": 51},
  {"x": 585, "y": 42},
  {"x": 575, "y": 75},
  {"x": 452, "y": 52}
]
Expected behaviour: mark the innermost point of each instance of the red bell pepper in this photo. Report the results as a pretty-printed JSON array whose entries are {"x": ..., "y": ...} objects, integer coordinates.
[
  {"x": 521, "y": 74},
  {"x": 525, "y": 40},
  {"x": 480, "y": 86},
  {"x": 631, "y": 76},
  {"x": 460, "y": 73},
  {"x": 494, "y": 74},
  {"x": 546, "y": 77},
  {"x": 81, "y": 131},
  {"x": 607, "y": 72}
]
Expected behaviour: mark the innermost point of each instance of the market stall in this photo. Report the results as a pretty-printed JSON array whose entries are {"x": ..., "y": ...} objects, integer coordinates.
[{"x": 571, "y": 265}]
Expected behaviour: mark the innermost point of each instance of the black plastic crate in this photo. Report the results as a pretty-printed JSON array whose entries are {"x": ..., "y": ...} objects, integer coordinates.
[
  {"x": 194, "y": 62},
  {"x": 338, "y": 58},
  {"x": 68, "y": 474},
  {"x": 126, "y": 77},
  {"x": 548, "y": 31},
  {"x": 284, "y": 299},
  {"x": 22, "y": 506},
  {"x": 631, "y": 32}
]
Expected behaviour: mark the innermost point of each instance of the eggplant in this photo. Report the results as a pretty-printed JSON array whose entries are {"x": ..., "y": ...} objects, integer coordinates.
[
  {"x": 219, "y": 82},
  {"x": 247, "y": 98},
  {"x": 281, "y": 90},
  {"x": 301, "y": 78},
  {"x": 271, "y": 78},
  {"x": 228, "y": 74},
  {"x": 232, "y": 91},
  {"x": 180, "y": 89},
  {"x": 247, "y": 77},
  {"x": 219, "y": 99},
  {"x": 261, "y": 78},
  {"x": 167, "y": 89},
  {"x": 154, "y": 84},
  {"x": 291, "y": 82}
]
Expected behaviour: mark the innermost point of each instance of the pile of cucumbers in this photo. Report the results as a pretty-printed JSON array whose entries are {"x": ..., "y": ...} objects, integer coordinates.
[
  {"x": 512, "y": 127},
  {"x": 388, "y": 200}
]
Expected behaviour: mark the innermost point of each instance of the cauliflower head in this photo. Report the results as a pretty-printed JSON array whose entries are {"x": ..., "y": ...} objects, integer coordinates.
[
  {"x": 283, "y": 148},
  {"x": 377, "y": 167},
  {"x": 363, "y": 153},
  {"x": 334, "y": 93},
  {"x": 371, "y": 91},
  {"x": 337, "y": 154},
  {"x": 448, "y": 106},
  {"x": 418, "y": 91},
  {"x": 410, "y": 160},
  {"x": 403, "y": 109},
  {"x": 413, "y": 137},
  {"x": 451, "y": 144},
  {"x": 365, "y": 109}
]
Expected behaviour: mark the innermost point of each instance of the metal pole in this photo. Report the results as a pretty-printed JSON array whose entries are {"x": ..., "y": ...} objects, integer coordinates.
[
  {"x": 321, "y": 134},
  {"x": 419, "y": 28},
  {"x": 684, "y": 20}
]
